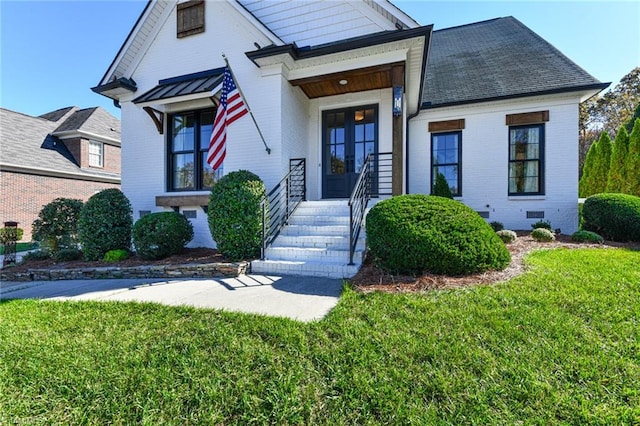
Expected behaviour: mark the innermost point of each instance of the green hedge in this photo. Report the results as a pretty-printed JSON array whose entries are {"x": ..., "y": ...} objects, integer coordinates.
[
  {"x": 8, "y": 235},
  {"x": 56, "y": 227},
  {"x": 158, "y": 235},
  {"x": 586, "y": 237},
  {"x": 234, "y": 215},
  {"x": 614, "y": 216},
  {"x": 412, "y": 234},
  {"x": 105, "y": 224}
]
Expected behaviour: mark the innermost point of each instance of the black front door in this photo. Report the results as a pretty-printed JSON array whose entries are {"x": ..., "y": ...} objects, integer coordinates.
[{"x": 348, "y": 136}]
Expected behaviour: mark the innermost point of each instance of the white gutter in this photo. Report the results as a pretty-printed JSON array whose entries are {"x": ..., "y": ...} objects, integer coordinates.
[
  {"x": 67, "y": 134},
  {"x": 4, "y": 167}
]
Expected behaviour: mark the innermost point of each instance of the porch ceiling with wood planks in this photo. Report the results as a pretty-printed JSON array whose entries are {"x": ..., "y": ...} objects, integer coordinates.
[{"x": 358, "y": 80}]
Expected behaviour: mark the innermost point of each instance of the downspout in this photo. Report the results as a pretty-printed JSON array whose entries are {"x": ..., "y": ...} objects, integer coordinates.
[
  {"x": 406, "y": 148},
  {"x": 427, "y": 45}
]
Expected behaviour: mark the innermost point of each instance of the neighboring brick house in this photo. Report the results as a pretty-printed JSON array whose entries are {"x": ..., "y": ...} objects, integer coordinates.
[{"x": 70, "y": 152}]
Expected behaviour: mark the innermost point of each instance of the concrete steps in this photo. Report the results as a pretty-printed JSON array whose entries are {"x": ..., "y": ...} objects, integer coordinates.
[{"x": 314, "y": 243}]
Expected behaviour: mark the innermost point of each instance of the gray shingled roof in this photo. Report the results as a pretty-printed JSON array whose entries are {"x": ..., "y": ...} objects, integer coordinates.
[
  {"x": 93, "y": 120},
  {"x": 28, "y": 142},
  {"x": 57, "y": 114},
  {"x": 499, "y": 58}
]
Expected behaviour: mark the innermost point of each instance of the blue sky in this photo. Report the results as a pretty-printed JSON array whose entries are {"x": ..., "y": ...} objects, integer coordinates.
[{"x": 53, "y": 52}]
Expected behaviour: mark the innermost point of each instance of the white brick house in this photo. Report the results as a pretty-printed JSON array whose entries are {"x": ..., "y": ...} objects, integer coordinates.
[{"x": 490, "y": 105}]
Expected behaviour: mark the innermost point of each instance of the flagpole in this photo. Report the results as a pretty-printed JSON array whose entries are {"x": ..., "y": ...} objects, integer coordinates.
[{"x": 247, "y": 104}]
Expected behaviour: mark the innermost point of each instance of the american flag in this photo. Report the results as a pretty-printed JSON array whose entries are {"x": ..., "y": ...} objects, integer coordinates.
[{"x": 231, "y": 108}]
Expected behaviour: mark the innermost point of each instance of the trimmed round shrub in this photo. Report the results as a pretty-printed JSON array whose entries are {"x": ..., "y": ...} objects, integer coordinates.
[
  {"x": 56, "y": 227},
  {"x": 614, "y": 216},
  {"x": 105, "y": 224},
  {"x": 541, "y": 224},
  {"x": 234, "y": 215},
  {"x": 115, "y": 255},
  {"x": 66, "y": 255},
  {"x": 496, "y": 226},
  {"x": 586, "y": 237},
  {"x": 8, "y": 235},
  {"x": 507, "y": 235},
  {"x": 412, "y": 234},
  {"x": 543, "y": 235},
  {"x": 158, "y": 235}
]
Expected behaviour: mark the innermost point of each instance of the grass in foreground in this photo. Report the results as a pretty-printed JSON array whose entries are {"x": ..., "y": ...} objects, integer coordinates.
[{"x": 556, "y": 345}]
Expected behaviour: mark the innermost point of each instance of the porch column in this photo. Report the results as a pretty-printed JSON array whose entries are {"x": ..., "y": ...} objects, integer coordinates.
[{"x": 397, "y": 79}]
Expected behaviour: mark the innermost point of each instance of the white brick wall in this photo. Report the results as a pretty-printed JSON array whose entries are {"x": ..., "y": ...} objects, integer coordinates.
[
  {"x": 144, "y": 150},
  {"x": 485, "y": 160}
]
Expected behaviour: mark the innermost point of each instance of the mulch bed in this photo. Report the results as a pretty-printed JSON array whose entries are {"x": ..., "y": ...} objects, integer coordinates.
[{"x": 370, "y": 278}]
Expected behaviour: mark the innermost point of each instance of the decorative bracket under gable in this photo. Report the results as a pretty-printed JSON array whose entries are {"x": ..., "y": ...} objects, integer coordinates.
[{"x": 157, "y": 117}]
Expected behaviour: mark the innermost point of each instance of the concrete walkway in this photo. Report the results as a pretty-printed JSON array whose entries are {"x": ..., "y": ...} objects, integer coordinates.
[{"x": 299, "y": 298}]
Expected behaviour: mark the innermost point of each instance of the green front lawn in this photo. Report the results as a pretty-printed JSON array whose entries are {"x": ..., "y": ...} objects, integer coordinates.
[
  {"x": 558, "y": 345},
  {"x": 21, "y": 247}
]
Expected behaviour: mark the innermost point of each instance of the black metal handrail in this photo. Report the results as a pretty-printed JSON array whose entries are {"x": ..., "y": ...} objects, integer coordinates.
[
  {"x": 282, "y": 201},
  {"x": 374, "y": 180}
]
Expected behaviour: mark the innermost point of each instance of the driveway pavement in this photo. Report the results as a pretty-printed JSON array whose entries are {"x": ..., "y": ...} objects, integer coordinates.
[{"x": 299, "y": 298}]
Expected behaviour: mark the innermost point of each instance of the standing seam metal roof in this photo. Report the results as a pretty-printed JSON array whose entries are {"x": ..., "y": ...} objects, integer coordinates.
[{"x": 183, "y": 85}]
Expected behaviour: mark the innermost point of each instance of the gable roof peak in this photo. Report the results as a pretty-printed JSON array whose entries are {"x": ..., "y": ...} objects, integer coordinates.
[
  {"x": 58, "y": 114},
  {"x": 95, "y": 120}
]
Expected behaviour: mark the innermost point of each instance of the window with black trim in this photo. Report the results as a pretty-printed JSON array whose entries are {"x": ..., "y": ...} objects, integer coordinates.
[
  {"x": 190, "y": 17},
  {"x": 526, "y": 160},
  {"x": 446, "y": 155},
  {"x": 188, "y": 137}
]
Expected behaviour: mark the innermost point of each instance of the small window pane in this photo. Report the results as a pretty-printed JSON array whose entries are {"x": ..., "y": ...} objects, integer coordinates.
[
  {"x": 337, "y": 160},
  {"x": 369, "y": 131},
  {"x": 359, "y": 132},
  {"x": 450, "y": 174},
  {"x": 183, "y": 171},
  {"x": 209, "y": 177},
  {"x": 360, "y": 156},
  {"x": 183, "y": 133},
  {"x": 369, "y": 115},
  {"x": 206, "y": 127},
  {"x": 337, "y": 135},
  {"x": 335, "y": 119}
]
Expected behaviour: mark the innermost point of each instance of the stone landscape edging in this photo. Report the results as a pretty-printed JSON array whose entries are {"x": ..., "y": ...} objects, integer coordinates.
[{"x": 191, "y": 270}]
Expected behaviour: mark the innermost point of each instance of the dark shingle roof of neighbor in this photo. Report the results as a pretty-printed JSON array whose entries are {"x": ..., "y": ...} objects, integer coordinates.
[
  {"x": 57, "y": 114},
  {"x": 29, "y": 142},
  {"x": 93, "y": 120},
  {"x": 499, "y": 58}
]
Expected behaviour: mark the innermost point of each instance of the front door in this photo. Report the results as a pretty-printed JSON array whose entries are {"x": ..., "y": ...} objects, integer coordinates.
[{"x": 348, "y": 136}]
